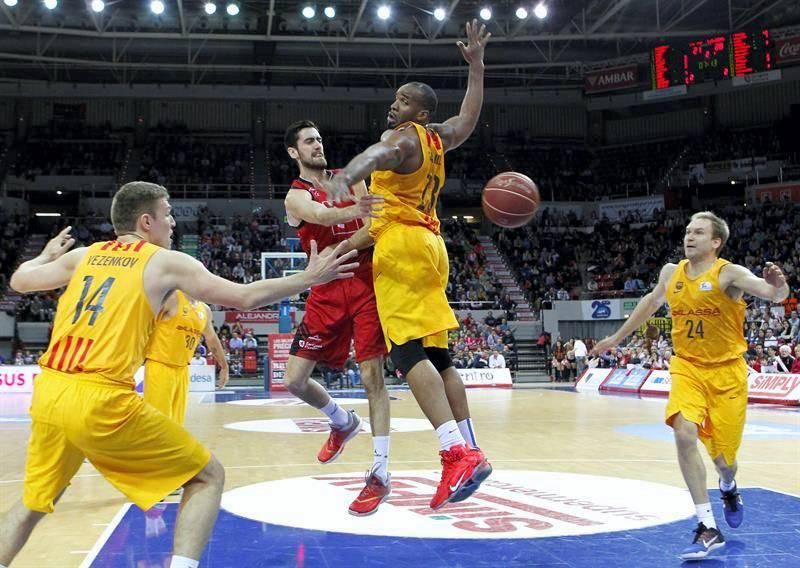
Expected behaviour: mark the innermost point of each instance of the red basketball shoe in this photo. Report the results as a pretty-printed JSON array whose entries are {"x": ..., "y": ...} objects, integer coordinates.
[
  {"x": 373, "y": 494},
  {"x": 338, "y": 438},
  {"x": 459, "y": 465}
]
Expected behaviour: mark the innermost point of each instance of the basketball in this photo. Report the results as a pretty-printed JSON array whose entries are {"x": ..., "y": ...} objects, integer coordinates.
[{"x": 510, "y": 199}]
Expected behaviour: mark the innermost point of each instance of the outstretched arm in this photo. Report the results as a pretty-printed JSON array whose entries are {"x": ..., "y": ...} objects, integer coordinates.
[
  {"x": 53, "y": 267},
  {"x": 177, "y": 270},
  {"x": 388, "y": 154},
  {"x": 772, "y": 286},
  {"x": 455, "y": 131},
  {"x": 646, "y": 308},
  {"x": 299, "y": 205}
]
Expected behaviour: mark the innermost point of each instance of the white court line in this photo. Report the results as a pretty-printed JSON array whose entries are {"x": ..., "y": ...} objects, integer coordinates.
[
  {"x": 92, "y": 554},
  {"x": 775, "y": 490}
]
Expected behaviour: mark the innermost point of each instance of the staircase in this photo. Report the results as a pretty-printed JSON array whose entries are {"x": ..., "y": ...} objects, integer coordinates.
[
  {"x": 33, "y": 246},
  {"x": 531, "y": 362},
  {"x": 497, "y": 265}
]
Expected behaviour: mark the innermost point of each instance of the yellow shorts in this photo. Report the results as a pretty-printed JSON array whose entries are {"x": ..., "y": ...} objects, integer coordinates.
[
  {"x": 714, "y": 398},
  {"x": 166, "y": 388},
  {"x": 410, "y": 269},
  {"x": 136, "y": 448}
]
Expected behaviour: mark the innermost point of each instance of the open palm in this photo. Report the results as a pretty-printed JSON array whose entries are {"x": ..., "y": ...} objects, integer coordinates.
[{"x": 477, "y": 37}]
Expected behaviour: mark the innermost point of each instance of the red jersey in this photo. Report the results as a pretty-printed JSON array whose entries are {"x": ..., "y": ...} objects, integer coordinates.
[{"x": 324, "y": 235}]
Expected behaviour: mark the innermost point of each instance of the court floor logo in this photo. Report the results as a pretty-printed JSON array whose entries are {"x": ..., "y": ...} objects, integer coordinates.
[
  {"x": 510, "y": 504},
  {"x": 291, "y": 402},
  {"x": 317, "y": 425}
]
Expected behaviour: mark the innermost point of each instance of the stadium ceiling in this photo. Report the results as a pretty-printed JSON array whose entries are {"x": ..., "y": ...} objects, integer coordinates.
[{"x": 270, "y": 42}]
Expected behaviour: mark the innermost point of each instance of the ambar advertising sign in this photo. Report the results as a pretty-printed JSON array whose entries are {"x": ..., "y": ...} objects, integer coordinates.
[{"x": 611, "y": 79}]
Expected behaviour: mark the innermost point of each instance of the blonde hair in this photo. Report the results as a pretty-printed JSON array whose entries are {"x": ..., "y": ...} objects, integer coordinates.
[
  {"x": 719, "y": 228},
  {"x": 132, "y": 201}
]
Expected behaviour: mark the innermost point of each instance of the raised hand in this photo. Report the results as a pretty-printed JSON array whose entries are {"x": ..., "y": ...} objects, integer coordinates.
[
  {"x": 774, "y": 276},
  {"x": 477, "y": 39},
  {"x": 58, "y": 245},
  {"x": 330, "y": 264}
]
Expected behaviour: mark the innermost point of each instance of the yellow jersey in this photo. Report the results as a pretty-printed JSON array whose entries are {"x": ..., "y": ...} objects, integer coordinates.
[
  {"x": 707, "y": 324},
  {"x": 175, "y": 339},
  {"x": 411, "y": 199},
  {"x": 104, "y": 319}
]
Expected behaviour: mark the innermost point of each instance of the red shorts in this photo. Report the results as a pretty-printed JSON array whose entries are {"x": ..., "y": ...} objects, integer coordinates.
[{"x": 336, "y": 313}]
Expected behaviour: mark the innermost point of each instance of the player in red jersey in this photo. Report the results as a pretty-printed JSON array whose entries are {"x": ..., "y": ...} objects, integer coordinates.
[{"x": 335, "y": 315}]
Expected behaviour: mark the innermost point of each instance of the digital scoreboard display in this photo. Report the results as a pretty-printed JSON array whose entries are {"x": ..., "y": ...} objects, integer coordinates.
[
  {"x": 752, "y": 52},
  {"x": 712, "y": 59}
]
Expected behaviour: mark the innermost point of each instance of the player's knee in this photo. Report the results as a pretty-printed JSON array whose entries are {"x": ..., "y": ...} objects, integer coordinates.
[
  {"x": 295, "y": 383},
  {"x": 440, "y": 358},
  {"x": 212, "y": 474},
  {"x": 685, "y": 433},
  {"x": 407, "y": 355},
  {"x": 372, "y": 379}
]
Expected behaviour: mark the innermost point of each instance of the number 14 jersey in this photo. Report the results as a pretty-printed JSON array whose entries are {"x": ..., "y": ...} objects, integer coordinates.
[
  {"x": 104, "y": 319},
  {"x": 411, "y": 199},
  {"x": 707, "y": 324}
]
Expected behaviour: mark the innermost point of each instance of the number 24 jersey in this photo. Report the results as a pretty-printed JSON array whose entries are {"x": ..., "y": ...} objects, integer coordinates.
[{"x": 707, "y": 324}]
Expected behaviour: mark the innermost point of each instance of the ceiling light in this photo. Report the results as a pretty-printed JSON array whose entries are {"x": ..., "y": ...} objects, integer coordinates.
[
  {"x": 330, "y": 12},
  {"x": 522, "y": 13},
  {"x": 232, "y": 9},
  {"x": 540, "y": 11},
  {"x": 50, "y": 4},
  {"x": 10, "y": 3},
  {"x": 439, "y": 14},
  {"x": 309, "y": 12},
  {"x": 210, "y": 8},
  {"x": 98, "y": 6},
  {"x": 486, "y": 14},
  {"x": 384, "y": 12},
  {"x": 157, "y": 7}
]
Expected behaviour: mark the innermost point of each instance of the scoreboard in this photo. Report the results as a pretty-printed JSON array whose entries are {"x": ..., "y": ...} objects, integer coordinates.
[
  {"x": 712, "y": 59},
  {"x": 752, "y": 52}
]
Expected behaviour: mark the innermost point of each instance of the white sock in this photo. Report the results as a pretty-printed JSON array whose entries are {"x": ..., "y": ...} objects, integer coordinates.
[
  {"x": 705, "y": 515},
  {"x": 336, "y": 414},
  {"x": 380, "y": 452},
  {"x": 468, "y": 432},
  {"x": 727, "y": 486},
  {"x": 183, "y": 562},
  {"x": 449, "y": 435}
]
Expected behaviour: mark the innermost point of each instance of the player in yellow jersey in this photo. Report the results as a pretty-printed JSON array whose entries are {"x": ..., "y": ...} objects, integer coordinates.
[
  {"x": 84, "y": 403},
  {"x": 411, "y": 267},
  {"x": 179, "y": 327},
  {"x": 709, "y": 375}
]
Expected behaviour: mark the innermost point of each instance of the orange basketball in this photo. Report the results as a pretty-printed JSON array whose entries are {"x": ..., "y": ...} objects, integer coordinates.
[{"x": 510, "y": 199}]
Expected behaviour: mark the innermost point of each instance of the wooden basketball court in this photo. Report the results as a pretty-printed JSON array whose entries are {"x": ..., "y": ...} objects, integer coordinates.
[{"x": 533, "y": 437}]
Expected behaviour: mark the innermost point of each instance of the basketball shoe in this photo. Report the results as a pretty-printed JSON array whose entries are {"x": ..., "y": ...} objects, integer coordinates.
[
  {"x": 374, "y": 493},
  {"x": 705, "y": 542},
  {"x": 482, "y": 472},
  {"x": 338, "y": 437},
  {"x": 732, "y": 506},
  {"x": 459, "y": 467}
]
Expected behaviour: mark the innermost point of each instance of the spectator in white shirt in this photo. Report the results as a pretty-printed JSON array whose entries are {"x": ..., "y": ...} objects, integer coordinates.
[
  {"x": 497, "y": 361},
  {"x": 770, "y": 340},
  {"x": 579, "y": 348},
  {"x": 198, "y": 359}
]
